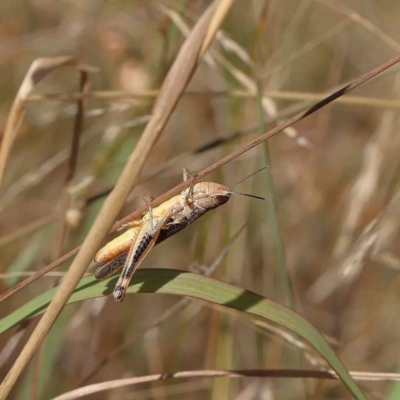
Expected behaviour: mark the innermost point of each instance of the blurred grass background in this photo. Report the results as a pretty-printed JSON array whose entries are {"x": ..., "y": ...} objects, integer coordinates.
[{"x": 335, "y": 189}]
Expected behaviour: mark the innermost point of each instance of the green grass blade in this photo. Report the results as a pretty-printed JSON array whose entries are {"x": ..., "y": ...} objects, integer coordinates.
[{"x": 188, "y": 284}]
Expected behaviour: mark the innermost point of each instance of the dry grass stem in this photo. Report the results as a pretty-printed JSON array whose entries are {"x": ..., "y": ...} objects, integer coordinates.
[
  {"x": 71, "y": 169},
  {"x": 239, "y": 94},
  {"x": 282, "y": 373}
]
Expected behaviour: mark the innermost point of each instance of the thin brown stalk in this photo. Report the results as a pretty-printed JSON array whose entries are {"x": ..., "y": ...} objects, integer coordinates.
[
  {"x": 55, "y": 274},
  {"x": 71, "y": 167},
  {"x": 174, "y": 84},
  {"x": 261, "y": 373},
  {"x": 139, "y": 212},
  {"x": 241, "y": 94},
  {"x": 78, "y": 125}
]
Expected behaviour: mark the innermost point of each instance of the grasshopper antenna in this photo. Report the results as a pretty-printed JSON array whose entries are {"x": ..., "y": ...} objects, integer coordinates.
[
  {"x": 247, "y": 177},
  {"x": 249, "y": 195}
]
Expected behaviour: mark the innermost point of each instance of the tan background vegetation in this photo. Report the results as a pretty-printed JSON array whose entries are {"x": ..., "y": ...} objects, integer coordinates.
[{"x": 335, "y": 187}]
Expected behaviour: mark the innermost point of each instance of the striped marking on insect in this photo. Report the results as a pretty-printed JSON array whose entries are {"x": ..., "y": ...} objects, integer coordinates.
[{"x": 128, "y": 250}]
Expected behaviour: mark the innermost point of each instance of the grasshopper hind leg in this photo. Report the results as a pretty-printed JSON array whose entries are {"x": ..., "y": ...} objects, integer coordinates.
[
  {"x": 142, "y": 243},
  {"x": 132, "y": 261},
  {"x": 119, "y": 293}
]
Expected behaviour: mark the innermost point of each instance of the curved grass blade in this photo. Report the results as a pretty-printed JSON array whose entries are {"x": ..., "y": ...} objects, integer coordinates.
[{"x": 188, "y": 284}]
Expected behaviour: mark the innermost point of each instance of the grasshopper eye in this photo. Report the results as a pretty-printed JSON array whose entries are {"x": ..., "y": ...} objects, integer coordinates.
[{"x": 220, "y": 199}]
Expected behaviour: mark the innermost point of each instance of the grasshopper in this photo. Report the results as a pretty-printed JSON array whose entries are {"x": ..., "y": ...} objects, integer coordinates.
[{"x": 128, "y": 250}]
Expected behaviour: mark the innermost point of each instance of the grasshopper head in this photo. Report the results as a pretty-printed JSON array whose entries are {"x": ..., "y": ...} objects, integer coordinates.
[{"x": 210, "y": 195}]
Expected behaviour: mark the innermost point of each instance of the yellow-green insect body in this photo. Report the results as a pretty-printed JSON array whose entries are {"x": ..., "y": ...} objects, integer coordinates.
[{"x": 129, "y": 249}]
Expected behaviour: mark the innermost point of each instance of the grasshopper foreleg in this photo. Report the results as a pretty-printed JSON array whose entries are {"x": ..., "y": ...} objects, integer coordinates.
[{"x": 189, "y": 194}]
